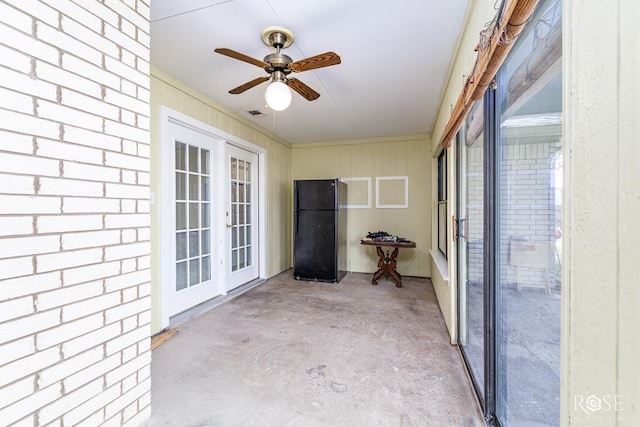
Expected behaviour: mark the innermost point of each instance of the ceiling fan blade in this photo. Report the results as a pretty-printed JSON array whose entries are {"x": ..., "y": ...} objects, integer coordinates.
[
  {"x": 304, "y": 90},
  {"x": 313, "y": 62},
  {"x": 248, "y": 85},
  {"x": 241, "y": 57}
]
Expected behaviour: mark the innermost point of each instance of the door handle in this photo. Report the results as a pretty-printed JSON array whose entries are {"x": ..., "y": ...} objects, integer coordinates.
[
  {"x": 229, "y": 226},
  {"x": 460, "y": 228}
]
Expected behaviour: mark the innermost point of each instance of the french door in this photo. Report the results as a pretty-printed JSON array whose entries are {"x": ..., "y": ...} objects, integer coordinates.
[
  {"x": 210, "y": 214},
  {"x": 241, "y": 216},
  {"x": 193, "y": 200}
]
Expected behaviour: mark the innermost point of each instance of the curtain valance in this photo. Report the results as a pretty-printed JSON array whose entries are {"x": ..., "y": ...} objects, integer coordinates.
[{"x": 495, "y": 43}]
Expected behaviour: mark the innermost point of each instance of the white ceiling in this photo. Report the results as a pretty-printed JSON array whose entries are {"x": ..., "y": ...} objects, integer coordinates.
[{"x": 395, "y": 58}]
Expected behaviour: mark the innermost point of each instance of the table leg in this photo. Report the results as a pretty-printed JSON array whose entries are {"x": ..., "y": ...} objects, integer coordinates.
[
  {"x": 395, "y": 276},
  {"x": 378, "y": 274},
  {"x": 387, "y": 267}
]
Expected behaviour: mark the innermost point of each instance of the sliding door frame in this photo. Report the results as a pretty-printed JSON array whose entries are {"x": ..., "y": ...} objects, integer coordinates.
[{"x": 490, "y": 249}]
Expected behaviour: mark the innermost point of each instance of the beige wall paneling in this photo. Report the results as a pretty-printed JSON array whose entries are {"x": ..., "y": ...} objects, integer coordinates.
[{"x": 601, "y": 292}]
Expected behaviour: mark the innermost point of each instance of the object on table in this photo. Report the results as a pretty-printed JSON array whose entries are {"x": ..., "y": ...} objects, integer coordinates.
[{"x": 383, "y": 236}]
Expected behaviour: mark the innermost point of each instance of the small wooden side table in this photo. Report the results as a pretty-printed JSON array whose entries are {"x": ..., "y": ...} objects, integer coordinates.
[{"x": 387, "y": 263}]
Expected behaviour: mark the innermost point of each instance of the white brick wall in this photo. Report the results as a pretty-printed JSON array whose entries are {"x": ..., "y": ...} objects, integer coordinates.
[{"x": 74, "y": 213}]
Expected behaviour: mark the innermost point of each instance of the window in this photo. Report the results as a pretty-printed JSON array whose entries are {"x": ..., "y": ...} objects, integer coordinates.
[{"x": 443, "y": 241}]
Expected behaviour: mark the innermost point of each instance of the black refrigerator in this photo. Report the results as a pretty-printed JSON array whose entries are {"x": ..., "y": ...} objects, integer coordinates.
[{"x": 320, "y": 230}]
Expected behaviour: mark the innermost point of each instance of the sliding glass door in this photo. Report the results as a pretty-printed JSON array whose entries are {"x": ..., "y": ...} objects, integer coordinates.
[
  {"x": 528, "y": 217},
  {"x": 470, "y": 166},
  {"x": 509, "y": 163}
]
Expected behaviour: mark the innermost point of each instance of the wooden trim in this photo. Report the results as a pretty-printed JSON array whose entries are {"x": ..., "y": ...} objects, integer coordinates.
[
  {"x": 492, "y": 52},
  {"x": 161, "y": 337}
]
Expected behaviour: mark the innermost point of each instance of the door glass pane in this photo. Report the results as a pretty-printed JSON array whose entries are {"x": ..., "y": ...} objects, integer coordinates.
[
  {"x": 181, "y": 275},
  {"x": 205, "y": 187},
  {"x": 194, "y": 216},
  {"x": 240, "y": 207},
  {"x": 241, "y": 171},
  {"x": 181, "y": 246},
  {"x": 241, "y": 214},
  {"x": 234, "y": 260},
  {"x": 206, "y": 244},
  {"x": 181, "y": 186},
  {"x": 194, "y": 272},
  {"x": 181, "y": 216},
  {"x": 241, "y": 258},
  {"x": 206, "y": 268},
  {"x": 193, "y": 186},
  {"x": 234, "y": 168},
  {"x": 194, "y": 243},
  {"x": 181, "y": 156},
  {"x": 241, "y": 218},
  {"x": 234, "y": 237},
  {"x": 471, "y": 264},
  {"x": 204, "y": 159},
  {"x": 193, "y": 159},
  {"x": 206, "y": 220},
  {"x": 241, "y": 192},
  {"x": 529, "y": 168}
]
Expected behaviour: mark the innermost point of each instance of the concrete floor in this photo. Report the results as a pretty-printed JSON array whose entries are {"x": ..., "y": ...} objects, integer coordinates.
[{"x": 293, "y": 353}]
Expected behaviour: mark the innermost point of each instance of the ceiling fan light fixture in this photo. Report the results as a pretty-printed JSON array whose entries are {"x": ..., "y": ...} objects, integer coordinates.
[
  {"x": 279, "y": 66},
  {"x": 278, "y": 96}
]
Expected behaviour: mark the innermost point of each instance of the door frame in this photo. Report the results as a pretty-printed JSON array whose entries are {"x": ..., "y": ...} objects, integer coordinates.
[{"x": 167, "y": 209}]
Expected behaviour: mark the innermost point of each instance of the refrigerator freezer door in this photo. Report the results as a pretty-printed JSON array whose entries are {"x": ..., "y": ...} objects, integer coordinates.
[{"x": 315, "y": 194}]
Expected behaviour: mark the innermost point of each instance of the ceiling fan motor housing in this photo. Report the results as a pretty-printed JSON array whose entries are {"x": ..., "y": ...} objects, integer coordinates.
[
  {"x": 277, "y": 40},
  {"x": 278, "y": 60}
]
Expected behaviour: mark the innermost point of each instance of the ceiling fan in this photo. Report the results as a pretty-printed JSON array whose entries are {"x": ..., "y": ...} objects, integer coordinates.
[{"x": 279, "y": 66}]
